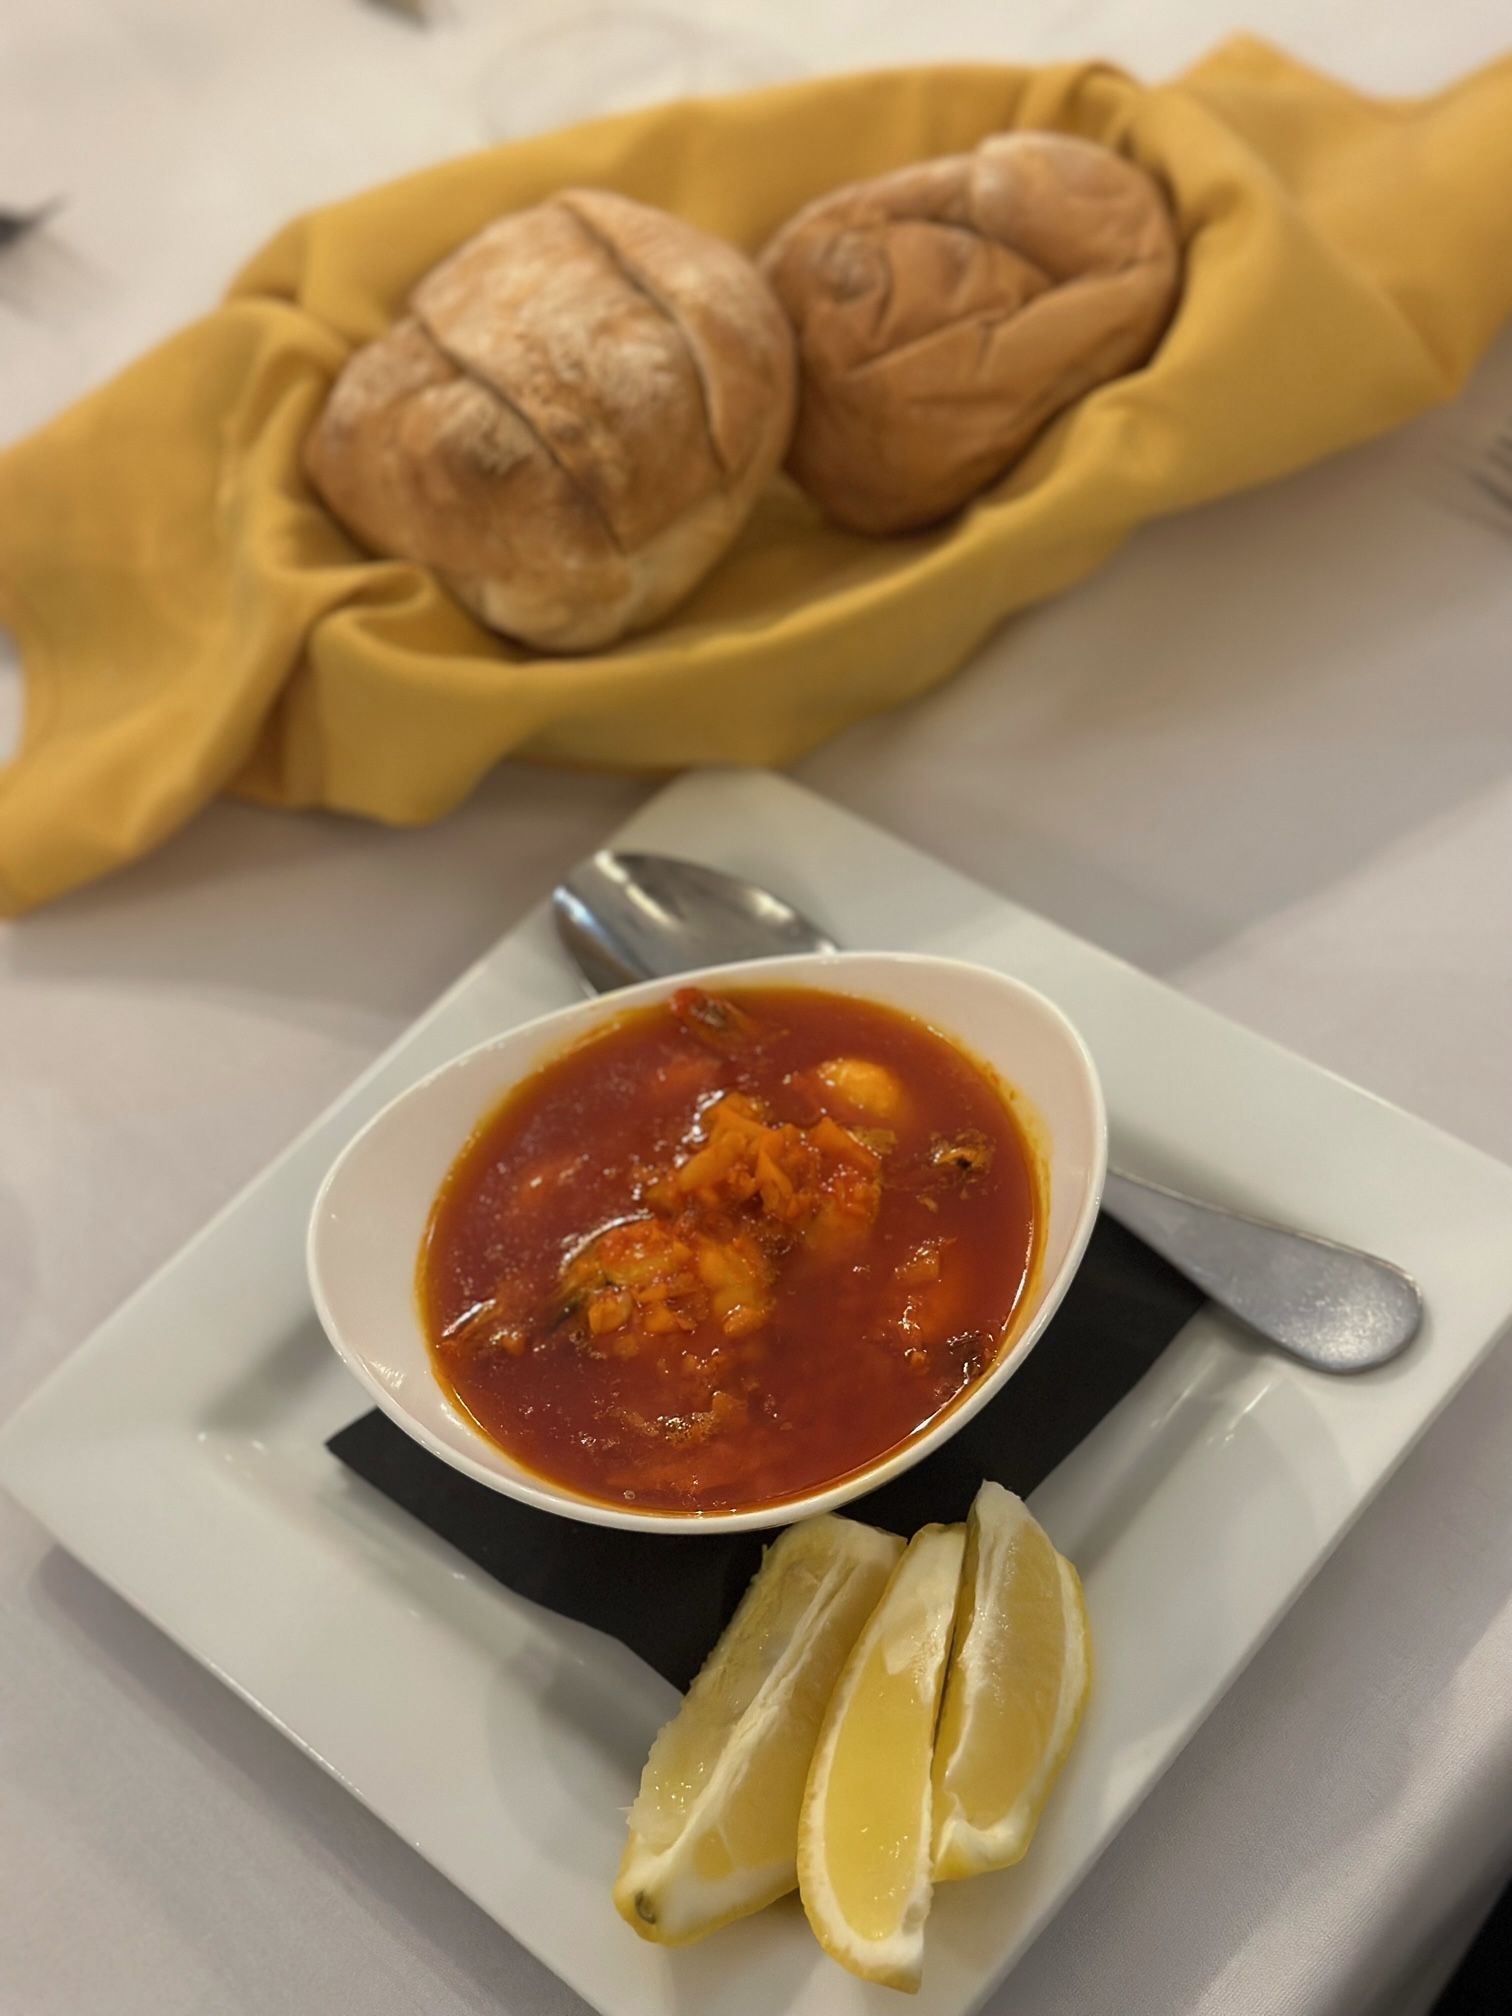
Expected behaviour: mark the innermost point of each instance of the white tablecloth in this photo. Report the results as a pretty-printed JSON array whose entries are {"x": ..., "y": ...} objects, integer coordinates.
[{"x": 1267, "y": 754}]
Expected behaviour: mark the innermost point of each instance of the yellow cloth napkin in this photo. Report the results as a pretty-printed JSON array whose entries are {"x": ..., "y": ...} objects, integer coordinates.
[{"x": 191, "y": 621}]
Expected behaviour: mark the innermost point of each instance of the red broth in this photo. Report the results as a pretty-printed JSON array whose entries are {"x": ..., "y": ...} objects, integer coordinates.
[{"x": 730, "y": 1248}]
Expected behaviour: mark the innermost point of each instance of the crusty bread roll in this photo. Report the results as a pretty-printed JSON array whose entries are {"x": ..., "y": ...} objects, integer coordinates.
[
  {"x": 945, "y": 312},
  {"x": 571, "y": 423}
]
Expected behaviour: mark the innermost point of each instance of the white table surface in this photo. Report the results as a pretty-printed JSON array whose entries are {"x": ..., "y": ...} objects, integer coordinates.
[{"x": 1266, "y": 754}]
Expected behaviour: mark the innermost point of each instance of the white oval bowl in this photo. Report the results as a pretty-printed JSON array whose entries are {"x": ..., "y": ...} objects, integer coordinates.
[{"x": 373, "y": 1207}]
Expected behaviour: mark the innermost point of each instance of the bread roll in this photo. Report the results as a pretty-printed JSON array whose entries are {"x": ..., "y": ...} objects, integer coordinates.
[
  {"x": 571, "y": 423},
  {"x": 945, "y": 312}
]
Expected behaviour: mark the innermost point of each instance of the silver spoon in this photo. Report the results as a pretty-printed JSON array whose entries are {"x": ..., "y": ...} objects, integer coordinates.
[{"x": 629, "y": 917}]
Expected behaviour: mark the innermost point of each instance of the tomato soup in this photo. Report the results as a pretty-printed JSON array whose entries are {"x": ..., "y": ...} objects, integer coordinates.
[{"x": 730, "y": 1248}]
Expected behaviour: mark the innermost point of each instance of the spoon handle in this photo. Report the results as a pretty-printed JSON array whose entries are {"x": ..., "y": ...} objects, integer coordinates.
[{"x": 1330, "y": 1306}]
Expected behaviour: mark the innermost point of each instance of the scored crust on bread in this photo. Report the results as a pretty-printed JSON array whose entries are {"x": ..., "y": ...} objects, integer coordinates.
[
  {"x": 945, "y": 312},
  {"x": 571, "y": 423}
]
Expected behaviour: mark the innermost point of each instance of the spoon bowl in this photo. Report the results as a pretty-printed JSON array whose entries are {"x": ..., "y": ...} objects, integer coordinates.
[{"x": 629, "y": 917}]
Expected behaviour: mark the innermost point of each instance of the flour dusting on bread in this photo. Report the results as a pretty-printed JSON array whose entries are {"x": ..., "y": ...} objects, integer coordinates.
[{"x": 571, "y": 423}]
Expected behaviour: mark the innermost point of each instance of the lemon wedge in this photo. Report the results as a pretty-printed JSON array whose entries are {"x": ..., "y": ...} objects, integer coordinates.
[
  {"x": 714, "y": 1828},
  {"x": 1014, "y": 1695},
  {"x": 864, "y": 1839}
]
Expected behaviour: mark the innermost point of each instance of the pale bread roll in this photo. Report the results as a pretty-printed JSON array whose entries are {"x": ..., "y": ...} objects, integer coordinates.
[
  {"x": 571, "y": 423},
  {"x": 945, "y": 312}
]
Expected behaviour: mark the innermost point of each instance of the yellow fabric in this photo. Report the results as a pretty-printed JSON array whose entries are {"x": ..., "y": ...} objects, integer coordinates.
[{"x": 191, "y": 621}]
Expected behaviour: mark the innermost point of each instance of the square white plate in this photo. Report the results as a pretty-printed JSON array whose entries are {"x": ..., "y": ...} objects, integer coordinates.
[{"x": 179, "y": 1454}]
